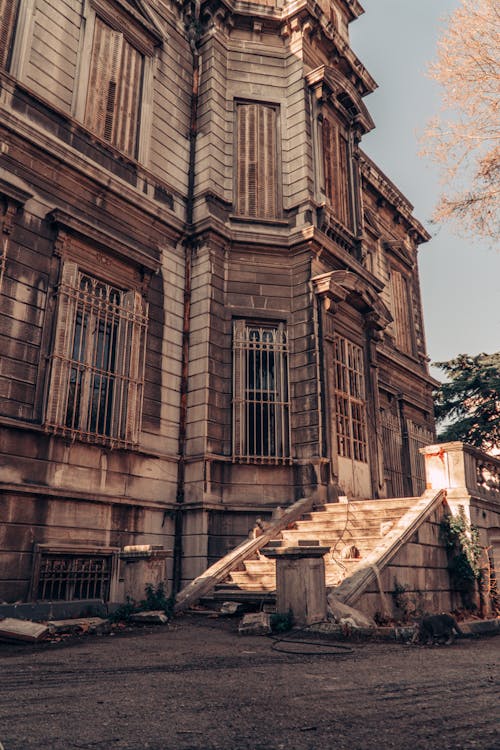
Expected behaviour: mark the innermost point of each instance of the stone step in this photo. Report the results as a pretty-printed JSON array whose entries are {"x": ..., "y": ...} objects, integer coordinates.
[
  {"x": 335, "y": 527},
  {"x": 370, "y": 506}
]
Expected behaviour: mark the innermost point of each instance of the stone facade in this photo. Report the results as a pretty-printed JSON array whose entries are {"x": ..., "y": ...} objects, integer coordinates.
[{"x": 209, "y": 295}]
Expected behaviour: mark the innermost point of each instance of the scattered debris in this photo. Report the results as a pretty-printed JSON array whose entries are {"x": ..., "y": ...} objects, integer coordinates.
[
  {"x": 150, "y": 617},
  {"x": 232, "y": 608},
  {"x": 255, "y": 623},
  {"x": 22, "y": 630},
  {"x": 344, "y": 614},
  {"x": 94, "y": 625}
]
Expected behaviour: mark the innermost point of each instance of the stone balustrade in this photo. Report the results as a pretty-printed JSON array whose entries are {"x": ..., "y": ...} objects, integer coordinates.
[{"x": 462, "y": 471}]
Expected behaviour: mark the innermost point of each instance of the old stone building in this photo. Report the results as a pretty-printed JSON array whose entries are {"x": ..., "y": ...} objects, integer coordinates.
[{"x": 209, "y": 294}]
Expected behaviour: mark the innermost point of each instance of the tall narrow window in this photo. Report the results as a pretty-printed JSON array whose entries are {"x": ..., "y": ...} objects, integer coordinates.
[
  {"x": 402, "y": 313},
  {"x": 336, "y": 164},
  {"x": 8, "y": 15},
  {"x": 350, "y": 400},
  {"x": 260, "y": 392},
  {"x": 257, "y": 161},
  {"x": 114, "y": 88},
  {"x": 97, "y": 366}
]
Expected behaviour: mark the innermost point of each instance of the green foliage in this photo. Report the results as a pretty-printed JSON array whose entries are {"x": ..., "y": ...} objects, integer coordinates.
[
  {"x": 123, "y": 612},
  {"x": 282, "y": 623},
  {"x": 156, "y": 599},
  {"x": 408, "y": 604},
  {"x": 467, "y": 406},
  {"x": 464, "y": 554}
]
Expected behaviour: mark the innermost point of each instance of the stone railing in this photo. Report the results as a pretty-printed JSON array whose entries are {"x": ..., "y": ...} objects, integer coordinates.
[{"x": 462, "y": 471}]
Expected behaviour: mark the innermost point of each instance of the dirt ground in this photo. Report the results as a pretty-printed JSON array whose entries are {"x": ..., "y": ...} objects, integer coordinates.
[{"x": 197, "y": 685}]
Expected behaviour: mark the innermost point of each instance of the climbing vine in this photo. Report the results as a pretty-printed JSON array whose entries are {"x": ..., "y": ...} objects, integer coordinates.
[{"x": 464, "y": 554}]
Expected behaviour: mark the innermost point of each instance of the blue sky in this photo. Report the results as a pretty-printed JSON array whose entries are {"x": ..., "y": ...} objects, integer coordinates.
[{"x": 460, "y": 278}]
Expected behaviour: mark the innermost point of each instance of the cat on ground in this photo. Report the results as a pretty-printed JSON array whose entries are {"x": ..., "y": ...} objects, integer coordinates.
[{"x": 437, "y": 629}]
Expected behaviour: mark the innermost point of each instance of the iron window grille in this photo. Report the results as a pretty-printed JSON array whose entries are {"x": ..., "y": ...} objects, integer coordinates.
[
  {"x": 350, "y": 400},
  {"x": 8, "y": 17},
  {"x": 97, "y": 365},
  {"x": 67, "y": 574},
  {"x": 261, "y": 429}
]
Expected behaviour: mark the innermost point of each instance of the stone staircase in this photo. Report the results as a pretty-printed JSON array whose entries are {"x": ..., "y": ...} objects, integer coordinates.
[{"x": 351, "y": 530}]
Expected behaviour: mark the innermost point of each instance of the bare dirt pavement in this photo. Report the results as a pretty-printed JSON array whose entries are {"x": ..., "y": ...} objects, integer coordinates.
[{"x": 197, "y": 685}]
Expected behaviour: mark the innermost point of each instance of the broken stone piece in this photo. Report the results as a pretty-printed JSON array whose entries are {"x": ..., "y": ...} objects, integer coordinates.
[
  {"x": 342, "y": 613},
  {"x": 154, "y": 617},
  {"x": 80, "y": 625},
  {"x": 255, "y": 623},
  {"x": 12, "y": 629},
  {"x": 232, "y": 608}
]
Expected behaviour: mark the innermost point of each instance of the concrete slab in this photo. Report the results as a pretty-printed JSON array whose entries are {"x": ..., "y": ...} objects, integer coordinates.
[
  {"x": 22, "y": 630},
  {"x": 154, "y": 617}
]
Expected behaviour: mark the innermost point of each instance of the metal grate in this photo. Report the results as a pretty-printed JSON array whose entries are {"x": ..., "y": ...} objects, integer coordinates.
[
  {"x": 260, "y": 393},
  {"x": 98, "y": 362},
  {"x": 73, "y": 577},
  {"x": 392, "y": 444},
  {"x": 419, "y": 436},
  {"x": 350, "y": 403}
]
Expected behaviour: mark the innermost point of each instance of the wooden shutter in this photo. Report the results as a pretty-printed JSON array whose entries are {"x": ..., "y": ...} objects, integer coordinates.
[
  {"x": 128, "y": 99},
  {"x": 101, "y": 108},
  {"x": 401, "y": 311},
  {"x": 327, "y": 158},
  {"x": 8, "y": 13},
  {"x": 133, "y": 356},
  {"x": 257, "y": 161},
  {"x": 63, "y": 342}
]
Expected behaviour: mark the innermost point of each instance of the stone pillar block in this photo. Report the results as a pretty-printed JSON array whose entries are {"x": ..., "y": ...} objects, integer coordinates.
[{"x": 300, "y": 582}]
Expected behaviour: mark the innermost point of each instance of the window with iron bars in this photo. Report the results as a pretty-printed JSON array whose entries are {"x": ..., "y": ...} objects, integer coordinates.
[
  {"x": 8, "y": 17},
  {"x": 97, "y": 365},
  {"x": 261, "y": 428},
  {"x": 70, "y": 577},
  {"x": 350, "y": 400}
]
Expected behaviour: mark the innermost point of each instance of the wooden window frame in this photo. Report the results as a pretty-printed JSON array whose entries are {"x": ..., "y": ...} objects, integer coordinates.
[
  {"x": 129, "y": 36},
  {"x": 401, "y": 309},
  {"x": 337, "y": 172},
  {"x": 350, "y": 399},
  {"x": 266, "y": 205},
  {"x": 261, "y": 407}
]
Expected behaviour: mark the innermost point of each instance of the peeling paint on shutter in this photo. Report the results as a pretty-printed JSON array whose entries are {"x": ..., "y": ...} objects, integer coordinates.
[
  {"x": 257, "y": 161},
  {"x": 114, "y": 90},
  {"x": 8, "y": 13},
  {"x": 128, "y": 99},
  {"x": 63, "y": 342}
]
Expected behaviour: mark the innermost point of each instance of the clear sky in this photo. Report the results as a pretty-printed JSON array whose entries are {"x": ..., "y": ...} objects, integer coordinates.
[{"x": 460, "y": 278}]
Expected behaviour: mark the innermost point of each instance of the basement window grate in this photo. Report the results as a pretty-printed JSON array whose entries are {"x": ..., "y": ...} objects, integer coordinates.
[{"x": 73, "y": 577}]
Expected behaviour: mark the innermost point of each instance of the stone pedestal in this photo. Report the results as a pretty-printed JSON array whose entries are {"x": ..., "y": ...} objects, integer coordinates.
[
  {"x": 143, "y": 564},
  {"x": 300, "y": 581}
]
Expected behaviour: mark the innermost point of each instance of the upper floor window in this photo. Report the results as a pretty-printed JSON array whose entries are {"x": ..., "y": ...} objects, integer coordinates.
[
  {"x": 8, "y": 16},
  {"x": 350, "y": 400},
  {"x": 257, "y": 160},
  {"x": 97, "y": 362},
  {"x": 260, "y": 392},
  {"x": 401, "y": 309},
  {"x": 114, "y": 92},
  {"x": 337, "y": 171}
]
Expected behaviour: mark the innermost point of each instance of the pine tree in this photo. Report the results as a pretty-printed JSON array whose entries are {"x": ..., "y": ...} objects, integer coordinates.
[{"x": 467, "y": 405}]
